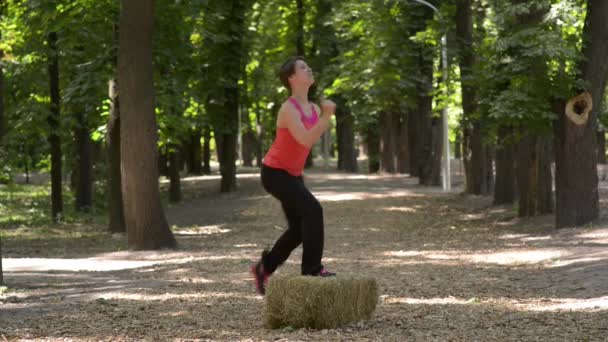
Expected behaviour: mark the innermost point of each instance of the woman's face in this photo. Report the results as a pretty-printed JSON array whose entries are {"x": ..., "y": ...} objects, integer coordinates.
[{"x": 303, "y": 74}]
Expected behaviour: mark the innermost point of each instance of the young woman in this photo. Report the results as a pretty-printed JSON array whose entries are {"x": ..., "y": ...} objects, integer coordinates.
[{"x": 299, "y": 126}]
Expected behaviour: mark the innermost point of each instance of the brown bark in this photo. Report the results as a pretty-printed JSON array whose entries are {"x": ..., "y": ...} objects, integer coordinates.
[
  {"x": 372, "y": 140},
  {"x": 388, "y": 146},
  {"x": 206, "y": 149},
  {"x": 534, "y": 181},
  {"x": 55, "y": 129},
  {"x": 504, "y": 191},
  {"x": 576, "y": 177},
  {"x": 175, "y": 187},
  {"x": 403, "y": 150},
  {"x": 84, "y": 185},
  {"x": 601, "y": 147},
  {"x": 115, "y": 202},
  {"x": 194, "y": 152},
  {"x": 145, "y": 219},
  {"x": 477, "y": 171}
]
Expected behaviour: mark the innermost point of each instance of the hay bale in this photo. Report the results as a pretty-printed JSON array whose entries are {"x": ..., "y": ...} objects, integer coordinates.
[{"x": 319, "y": 303}]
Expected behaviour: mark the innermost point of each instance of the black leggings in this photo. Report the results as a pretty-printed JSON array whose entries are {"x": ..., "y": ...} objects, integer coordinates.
[{"x": 304, "y": 216}]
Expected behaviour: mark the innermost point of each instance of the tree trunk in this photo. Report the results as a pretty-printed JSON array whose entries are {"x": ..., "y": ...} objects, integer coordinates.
[
  {"x": 147, "y": 226},
  {"x": 534, "y": 179},
  {"x": 115, "y": 202},
  {"x": 428, "y": 144},
  {"x": 372, "y": 139},
  {"x": 84, "y": 187},
  {"x": 458, "y": 146},
  {"x": 1, "y": 272},
  {"x": 193, "y": 152},
  {"x": 227, "y": 114},
  {"x": 388, "y": 143},
  {"x": 175, "y": 188},
  {"x": 476, "y": 165},
  {"x": 480, "y": 163},
  {"x": 2, "y": 117},
  {"x": 601, "y": 147},
  {"x": 347, "y": 155},
  {"x": 55, "y": 129},
  {"x": 576, "y": 178},
  {"x": 163, "y": 162},
  {"x": 250, "y": 147},
  {"x": 504, "y": 191},
  {"x": 413, "y": 134},
  {"x": 403, "y": 157},
  {"x": 206, "y": 149}
]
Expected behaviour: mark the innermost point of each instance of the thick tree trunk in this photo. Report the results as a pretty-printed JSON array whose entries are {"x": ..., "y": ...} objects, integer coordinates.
[
  {"x": 476, "y": 163},
  {"x": 163, "y": 162},
  {"x": 577, "y": 200},
  {"x": 480, "y": 163},
  {"x": 145, "y": 219},
  {"x": 224, "y": 99},
  {"x": 430, "y": 168},
  {"x": 388, "y": 143},
  {"x": 115, "y": 202},
  {"x": 2, "y": 116},
  {"x": 428, "y": 139},
  {"x": 193, "y": 152},
  {"x": 372, "y": 140},
  {"x": 601, "y": 147},
  {"x": 347, "y": 154},
  {"x": 413, "y": 134},
  {"x": 55, "y": 129},
  {"x": 504, "y": 191},
  {"x": 175, "y": 188},
  {"x": 403, "y": 150},
  {"x": 206, "y": 149},
  {"x": 84, "y": 187},
  {"x": 250, "y": 147},
  {"x": 534, "y": 181},
  {"x": 458, "y": 146}
]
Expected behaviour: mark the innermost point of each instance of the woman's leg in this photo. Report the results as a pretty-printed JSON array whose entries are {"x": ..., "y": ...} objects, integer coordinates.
[
  {"x": 288, "y": 241},
  {"x": 305, "y": 216}
]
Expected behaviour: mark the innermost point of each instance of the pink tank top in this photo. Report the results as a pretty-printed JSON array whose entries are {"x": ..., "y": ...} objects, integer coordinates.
[{"x": 286, "y": 153}]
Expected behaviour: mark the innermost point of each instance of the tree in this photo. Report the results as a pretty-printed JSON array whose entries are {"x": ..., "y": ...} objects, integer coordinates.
[
  {"x": 575, "y": 129},
  {"x": 226, "y": 54},
  {"x": 145, "y": 220},
  {"x": 54, "y": 127},
  {"x": 476, "y": 154}
]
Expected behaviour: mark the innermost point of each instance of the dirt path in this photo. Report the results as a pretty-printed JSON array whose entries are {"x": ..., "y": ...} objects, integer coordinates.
[{"x": 450, "y": 267}]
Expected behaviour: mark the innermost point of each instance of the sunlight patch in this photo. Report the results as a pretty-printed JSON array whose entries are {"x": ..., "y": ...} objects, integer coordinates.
[
  {"x": 573, "y": 304},
  {"x": 169, "y": 296},
  {"x": 424, "y": 301},
  {"x": 516, "y": 257},
  {"x": 72, "y": 265},
  {"x": 203, "y": 230},
  {"x": 331, "y": 196},
  {"x": 401, "y": 209},
  {"x": 500, "y": 258}
]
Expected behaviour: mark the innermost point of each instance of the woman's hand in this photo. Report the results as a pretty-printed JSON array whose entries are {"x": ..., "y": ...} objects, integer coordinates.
[{"x": 328, "y": 107}]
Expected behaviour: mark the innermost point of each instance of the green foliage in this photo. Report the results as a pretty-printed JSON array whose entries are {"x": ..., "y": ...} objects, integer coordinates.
[{"x": 527, "y": 59}]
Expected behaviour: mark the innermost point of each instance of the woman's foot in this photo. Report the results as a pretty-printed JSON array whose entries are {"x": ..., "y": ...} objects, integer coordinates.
[
  {"x": 325, "y": 273},
  {"x": 260, "y": 277}
]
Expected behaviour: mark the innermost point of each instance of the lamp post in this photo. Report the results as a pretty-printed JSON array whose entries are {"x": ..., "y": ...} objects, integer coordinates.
[{"x": 446, "y": 180}]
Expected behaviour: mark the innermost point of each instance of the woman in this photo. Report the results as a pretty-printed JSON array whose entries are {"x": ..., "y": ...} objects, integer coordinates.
[{"x": 299, "y": 127}]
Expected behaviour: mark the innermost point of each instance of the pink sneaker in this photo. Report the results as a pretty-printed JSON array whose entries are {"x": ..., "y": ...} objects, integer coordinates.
[
  {"x": 325, "y": 273},
  {"x": 260, "y": 277}
]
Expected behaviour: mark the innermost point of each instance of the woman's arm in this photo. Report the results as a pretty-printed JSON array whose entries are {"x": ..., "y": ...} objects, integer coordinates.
[{"x": 289, "y": 117}]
